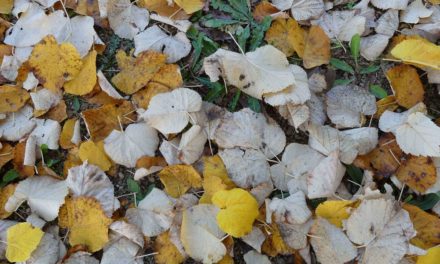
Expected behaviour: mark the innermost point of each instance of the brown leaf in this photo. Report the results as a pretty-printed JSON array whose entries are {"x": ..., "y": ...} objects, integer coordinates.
[
  {"x": 426, "y": 225},
  {"x": 287, "y": 36},
  {"x": 317, "y": 48},
  {"x": 6, "y": 154},
  {"x": 18, "y": 160},
  {"x": 419, "y": 173}
]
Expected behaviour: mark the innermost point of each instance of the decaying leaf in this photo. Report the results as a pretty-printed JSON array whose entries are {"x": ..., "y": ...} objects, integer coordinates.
[
  {"x": 426, "y": 225},
  {"x": 5, "y": 193},
  {"x": 178, "y": 179},
  {"x": 12, "y": 98},
  {"x": 168, "y": 253},
  {"x": 419, "y": 173},
  {"x": 125, "y": 18}
]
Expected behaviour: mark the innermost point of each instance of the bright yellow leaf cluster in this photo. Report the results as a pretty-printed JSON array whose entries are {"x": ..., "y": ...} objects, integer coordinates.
[{"x": 22, "y": 239}]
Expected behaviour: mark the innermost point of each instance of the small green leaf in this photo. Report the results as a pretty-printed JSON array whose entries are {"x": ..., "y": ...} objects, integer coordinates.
[
  {"x": 355, "y": 46},
  {"x": 341, "y": 65},
  {"x": 149, "y": 188},
  {"x": 76, "y": 104},
  {"x": 258, "y": 32},
  {"x": 216, "y": 22},
  {"x": 44, "y": 148},
  {"x": 10, "y": 175},
  {"x": 216, "y": 89},
  {"x": 427, "y": 202},
  {"x": 243, "y": 35},
  {"x": 133, "y": 186},
  {"x": 342, "y": 81},
  {"x": 369, "y": 69},
  {"x": 355, "y": 173},
  {"x": 233, "y": 104},
  {"x": 254, "y": 104},
  {"x": 378, "y": 91},
  {"x": 52, "y": 162}
]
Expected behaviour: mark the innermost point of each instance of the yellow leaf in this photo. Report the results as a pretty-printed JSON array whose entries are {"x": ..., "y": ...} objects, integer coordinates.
[
  {"x": 6, "y": 6},
  {"x": 168, "y": 75},
  {"x": 407, "y": 86},
  {"x": 143, "y": 97},
  {"x": 5, "y": 193},
  {"x": 177, "y": 179},
  {"x": 22, "y": 239},
  {"x": 94, "y": 154},
  {"x": 238, "y": 211},
  {"x": 215, "y": 178},
  {"x": 418, "y": 52},
  {"x": 274, "y": 244},
  {"x": 72, "y": 160},
  {"x": 190, "y": 6},
  {"x": 6, "y": 153},
  {"x": 317, "y": 48},
  {"x": 137, "y": 72},
  {"x": 85, "y": 81},
  {"x": 167, "y": 253},
  {"x": 432, "y": 257},
  {"x": 12, "y": 98},
  {"x": 334, "y": 211},
  {"x": 426, "y": 225},
  {"x": 102, "y": 121},
  {"x": 388, "y": 103},
  {"x": 67, "y": 133},
  {"x": 418, "y": 172},
  {"x": 87, "y": 222},
  {"x": 54, "y": 64},
  {"x": 287, "y": 36},
  {"x": 164, "y": 8}
]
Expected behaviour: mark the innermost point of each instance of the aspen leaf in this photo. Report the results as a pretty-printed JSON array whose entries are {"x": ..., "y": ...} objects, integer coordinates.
[
  {"x": 287, "y": 36},
  {"x": 264, "y": 8},
  {"x": 274, "y": 244},
  {"x": 168, "y": 75},
  {"x": 317, "y": 48},
  {"x": 87, "y": 223},
  {"x": 94, "y": 154},
  {"x": 164, "y": 8},
  {"x": 334, "y": 211},
  {"x": 418, "y": 52},
  {"x": 85, "y": 81},
  {"x": 12, "y": 98},
  {"x": 67, "y": 133},
  {"x": 177, "y": 179},
  {"x": 419, "y": 173},
  {"x": 215, "y": 177},
  {"x": 18, "y": 161},
  {"x": 431, "y": 257},
  {"x": 137, "y": 72},
  {"x": 190, "y": 6},
  {"x": 22, "y": 239},
  {"x": 408, "y": 88},
  {"x": 54, "y": 64},
  {"x": 125, "y": 18},
  {"x": 238, "y": 210},
  {"x": 167, "y": 251},
  {"x": 426, "y": 225},
  {"x": 6, "y": 153},
  {"x": 143, "y": 97}
]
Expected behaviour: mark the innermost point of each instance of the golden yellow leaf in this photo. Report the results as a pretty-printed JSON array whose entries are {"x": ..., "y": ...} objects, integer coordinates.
[
  {"x": 18, "y": 160},
  {"x": 5, "y": 193},
  {"x": 407, "y": 86},
  {"x": 274, "y": 244},
  {"x": 263, "y": 9},
  {"x": 215, "y": 178},
  {"x": 146, "y": 162},
  {"x": 426, "y": 225},
  {"x": 287, "y": 36},
  {"x": 418, "y": 172},
  {"x": 164, "y": 8},
  {"x": 67, "y": 133},
  {"x": 317, "y": 48},
  {"x": 84, "y": 82},
  {"x": 238, "y": 211},
  {"x": 388, "y": 103},
  {"x": 143, "y": 97},
  {"x": 6, "y": 154},
  {"x": 12, "y": 98},
  {"x": 177, "y": 179},
  {"x": 167, "y": 253},
  {"x": 334, "y": 211},
  {"x": 433, "y": 255},
  {"x": 434, "y": 2},
  {"x": 211, "y": 185},
  {"x": 169, "y": 75},
  {"x": 190, "y": 6},
  {"x": 419, "y": 52},
  {"x": 226, "y": 260},
  {"x": 22, "y": 239},
  {"x": 137, "y": 72},
  {"x": 6, "y": 6},
  {"x": 72, "y": 160},
  {"x": 94, "y": 154},
  {"x": 87, "y": 222},
  {"x": 54, "y": 64},
  {"x": 102, "y": 121}
]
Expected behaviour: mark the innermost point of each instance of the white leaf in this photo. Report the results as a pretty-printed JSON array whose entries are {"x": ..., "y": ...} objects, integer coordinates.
[
  {"x": 296, "y": 115},
  {"x": 47, "y": 252},
  {"x": 153, "y": 38},
  {"x": 121, "y": 229},
  {"x": 255, "y": 238},
  {"x": 9, "y": 67},
  {"x": 357, "y": 141},
  {"x": 126, "y": 19},
  {"x": 121, "y": 251},
  {"x": 265, "y": 70},
  {"x": 169, "y": 150},
  {"x": 209, "y": 117},
  {"x": 373, "y": 46},
  {"x": 45, "y": 99},
  {"x": 388, "y": 23},
  {"x": 333, "y": 22},
  {"x": 47, "y": 132},
  {"x": 154, "y": 213},
  {"x": 356, "y": 25},
  {"x": 290, "y": 210},
  {"x": 30, "y": 153},
  {"x": 201, "y": 235},
  {"x": 295, "y": 236},
  {"x": 390, "y": 4},
  {"x": 170, "y": 112},
  {"x": 89, "y": 180},
  {"x": 82, "y": 34},
  {"x": 4, "y": 225},
  {"x": 127, "y": 147},
  {"x": 43, "y": 194},
  {"x": 414, "y": 12},
  {"x": 324, "y": 139},
  {"x": 17, "y": 125},
  {"x": 390, "y": 121},
  {"x": 81, "y": 257},
  {"x": 192, "y": 145},
  {"x": 253, "y": 257},
  {"x": 182, "y": 25},
  {"x": 107, "y": 87}
]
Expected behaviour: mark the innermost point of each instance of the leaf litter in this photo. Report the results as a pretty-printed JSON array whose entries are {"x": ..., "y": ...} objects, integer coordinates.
[{"x": 216, "y": 131}]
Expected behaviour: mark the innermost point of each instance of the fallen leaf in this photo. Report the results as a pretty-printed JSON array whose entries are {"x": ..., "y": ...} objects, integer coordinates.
[
  {"x": 68, "y": 132},
  {"x": 263, "y": 9},
  {"x": 388, "y": 103},
  {"x": 406, "y": 84},
  {"x": 7, "y": 153},
  {"x": 136, "y": 72},
  {"x": 414, "y": 12},
  {"x": 238, "y": 211},
  {"x": 190, "y": 6},
  {"x": 12, "y": 98},
  {"x": 334, "y": 211},
  {"x": 22, "y": 239},
  {"x": 215, "y": 177},
  {"x": 164, "y": 8},
  {"x": 168, "y": 75},
  {"x": 178, "y": 179},
  {"x": 143, "y": 97},
  {"x": 94, "y": 153},
  {"x": 291, "y": 210},
  {"x": 125, "y": 18},
  {"x": 87, "y": 223},
  {"x": 287, "y": 36},
  {"x": 427, "y": 226},
  {"x": 167, "y": 252},
  {"x": 317, "y": 48},
  {"x": 274, "y": 243},
  {"x": 6, "y": 7},
  {"x": 253, "y": 256},
  {"x": 419, "y": 173},
  {"x": 18, "y": 160},
  {"x": 54, "y": 64},
  {"x": 5, "y": 193},
  {"x": 418, "y": 52},
  {"x": 392, "y": 4},
  {"x": 431, "y": 257},
  {"x": 84, "y": 82},
  {"x": 57, "y": 113}
]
